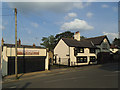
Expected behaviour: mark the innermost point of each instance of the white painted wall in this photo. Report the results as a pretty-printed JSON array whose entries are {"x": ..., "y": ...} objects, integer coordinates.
[
  {"x": 101, "y": 46},
  {"x": 4, "y": 61},
  {"x": 114, "y": 50},
  {"x": 61, "y": 50},
  {"x": 73, "y": 59},
  {"x": 11, "y": 51},
  {"x": 7, "y": 51},
  {"x": 47, "y": 61}
]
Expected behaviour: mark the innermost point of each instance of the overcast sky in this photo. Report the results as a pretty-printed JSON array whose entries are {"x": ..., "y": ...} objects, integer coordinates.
[{"x": 37, "y": 20}]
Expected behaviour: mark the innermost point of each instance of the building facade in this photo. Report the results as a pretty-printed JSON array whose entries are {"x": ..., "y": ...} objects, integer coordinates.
[
  {"x": 29, "y": 59},
  {"x": 74, "y": 52}
]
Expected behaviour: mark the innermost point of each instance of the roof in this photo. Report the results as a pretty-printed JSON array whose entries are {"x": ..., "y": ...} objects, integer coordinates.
[
  {"x": 97, "y": 40},
  {"x": 88, "y": 42},
  {"x": 75, "y": 43},
  {"x": 22, "y": 46},
  {"x": 114, "y": 47}
]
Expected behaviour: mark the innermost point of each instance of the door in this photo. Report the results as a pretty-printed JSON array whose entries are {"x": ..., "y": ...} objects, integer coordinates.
[{"x": 26, "y": 64}]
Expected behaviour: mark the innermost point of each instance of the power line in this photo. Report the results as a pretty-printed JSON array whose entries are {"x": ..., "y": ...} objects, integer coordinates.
[{"x": 6, "y": 15}]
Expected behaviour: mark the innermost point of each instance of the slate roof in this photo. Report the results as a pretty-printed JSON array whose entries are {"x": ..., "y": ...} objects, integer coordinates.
[
  {"x": 97, "y": 40},
  {"x": 75, "y": 43},
  {"x": 88, "y": 42}
]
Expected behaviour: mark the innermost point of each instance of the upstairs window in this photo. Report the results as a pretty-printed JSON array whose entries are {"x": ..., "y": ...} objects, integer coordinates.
[
  {"x": 104, "y": 46},
  {"x": 80, "y": 50},
  {"x": 81, "y": 59},
  {"x": 92, "y": 50}
]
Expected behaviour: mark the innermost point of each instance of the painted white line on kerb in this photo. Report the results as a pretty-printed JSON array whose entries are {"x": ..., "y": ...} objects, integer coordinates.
[{"x": 63, "y": 79}]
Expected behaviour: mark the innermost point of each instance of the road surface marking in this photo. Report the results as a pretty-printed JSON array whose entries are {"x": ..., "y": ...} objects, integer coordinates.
[
  {"x": 110, "y": 75},
  {"x": 116, "y": 71}
]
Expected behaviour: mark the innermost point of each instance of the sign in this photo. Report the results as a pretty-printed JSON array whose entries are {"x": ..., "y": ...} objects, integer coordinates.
[{"x": 27, "y": 52}]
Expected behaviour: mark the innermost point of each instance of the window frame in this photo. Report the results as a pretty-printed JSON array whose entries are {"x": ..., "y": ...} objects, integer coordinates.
[
  {"x": 92, "y": 59},
  {"x": 91, "y": 49},
  {"x": 79, "y": 50},
  {"x": 81, "y": 61}
]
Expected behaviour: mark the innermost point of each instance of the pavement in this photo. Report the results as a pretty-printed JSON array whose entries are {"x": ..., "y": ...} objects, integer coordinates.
[{"x": 105, "y": 75}]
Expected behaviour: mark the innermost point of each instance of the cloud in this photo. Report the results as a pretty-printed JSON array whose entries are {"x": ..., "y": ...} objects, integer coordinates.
[
  {"x": 89, "y": 14},
  {"x": 34, "y": 24},
  {"x": 104, "y": 6},
  {"x": 70, "y": 16},
  {"x": 2, "y": 27},
  {"x": 111, "y": 36},
  {"x": 47, "y": 6},
  {"x": 77, "y": 24}
]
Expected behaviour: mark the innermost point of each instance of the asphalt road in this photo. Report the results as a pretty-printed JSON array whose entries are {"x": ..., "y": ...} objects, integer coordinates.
[{"x": 105, "y": 76}]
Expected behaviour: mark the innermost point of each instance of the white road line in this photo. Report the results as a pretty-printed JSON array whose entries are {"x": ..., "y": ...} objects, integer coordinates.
[
  {"x": 116, "y": 71},
  {"x": 63, "y": 79},
  {"x": 12, "y": 87},
  {"x": 110, "y": 75}
]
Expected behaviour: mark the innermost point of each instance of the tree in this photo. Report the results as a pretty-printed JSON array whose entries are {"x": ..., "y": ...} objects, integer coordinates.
[
  {"x": 82, "y": 37},
  {"x": 66, "y": 34},
  {"x": 48, "y": 42},
  {"x": 51, "y": 41},
  {"x": 116, "y": 42}
]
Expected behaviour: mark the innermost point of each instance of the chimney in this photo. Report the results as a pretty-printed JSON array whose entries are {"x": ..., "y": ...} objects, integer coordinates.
[
  {"x": 33, "y": 44},
  {"x": 19, "y": 42},
  {"x": 2, "y": 41},
  {"x": 77, "y": 36}
]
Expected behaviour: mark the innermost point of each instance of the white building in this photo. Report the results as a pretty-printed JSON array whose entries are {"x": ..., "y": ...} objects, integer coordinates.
[
  {"x": 30, "y": 59},
  {"x": 80, "y": 52}
]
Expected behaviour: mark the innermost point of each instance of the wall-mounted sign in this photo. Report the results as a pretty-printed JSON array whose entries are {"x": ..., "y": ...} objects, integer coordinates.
[{"x": 27, "y": 52}]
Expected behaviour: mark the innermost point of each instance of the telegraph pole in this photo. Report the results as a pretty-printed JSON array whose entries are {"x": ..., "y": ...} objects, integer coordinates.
[{"x": 16, "y": 42}]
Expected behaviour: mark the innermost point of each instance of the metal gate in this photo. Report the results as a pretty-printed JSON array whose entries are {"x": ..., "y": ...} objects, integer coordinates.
[{"x": 26, "y": 64}]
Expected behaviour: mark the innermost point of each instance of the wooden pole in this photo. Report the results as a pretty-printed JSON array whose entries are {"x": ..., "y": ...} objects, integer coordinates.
[{"x": 16, "y": 42}]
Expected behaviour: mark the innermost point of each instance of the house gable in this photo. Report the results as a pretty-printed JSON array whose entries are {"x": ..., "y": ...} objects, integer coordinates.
[
  {"x": 61, "y": 49},
  {"x": 105, "y": 39}
]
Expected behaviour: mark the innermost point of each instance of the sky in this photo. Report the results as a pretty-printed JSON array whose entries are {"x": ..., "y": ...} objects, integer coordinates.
[{"x": 42, "y": 19}]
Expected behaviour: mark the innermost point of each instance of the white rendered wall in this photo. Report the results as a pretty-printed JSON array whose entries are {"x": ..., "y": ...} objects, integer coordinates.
[
  {"x": 101, "y": 46},
  {"x": 61, "y": 50},
  {"x": 4, "y": 61},
  {"x": 11, "y": 51},
  {"x": 86, "y": 53}
]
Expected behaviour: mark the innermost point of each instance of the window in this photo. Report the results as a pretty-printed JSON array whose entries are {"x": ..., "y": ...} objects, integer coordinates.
[
  {"x": 81, "y": 59},
  {"x": 80, "y": 50},
  {"x": 92, "y": 50},
  {"x": 104, "y": 46},
  {"x": 92, "y": 59}
]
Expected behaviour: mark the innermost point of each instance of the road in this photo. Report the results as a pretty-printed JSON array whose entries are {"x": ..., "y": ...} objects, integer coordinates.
[{"x": 104, "y": 76}]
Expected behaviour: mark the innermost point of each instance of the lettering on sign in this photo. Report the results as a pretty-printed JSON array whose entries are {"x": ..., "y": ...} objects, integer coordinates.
[{"x": 27, "y": 52}]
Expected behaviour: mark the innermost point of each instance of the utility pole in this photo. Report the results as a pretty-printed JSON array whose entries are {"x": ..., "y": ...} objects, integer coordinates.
[{"x": 16, "y": 42}]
